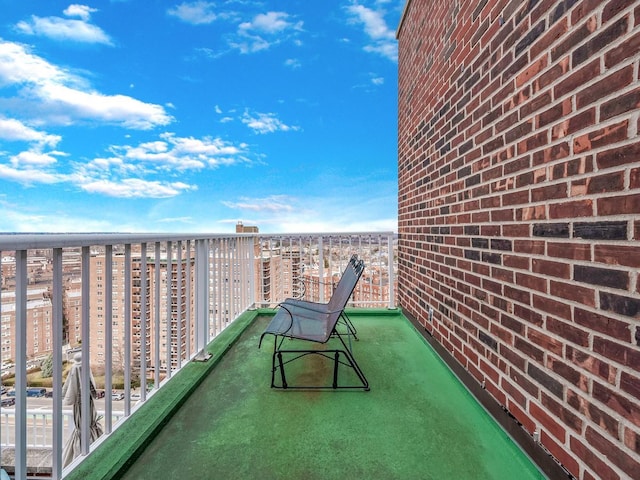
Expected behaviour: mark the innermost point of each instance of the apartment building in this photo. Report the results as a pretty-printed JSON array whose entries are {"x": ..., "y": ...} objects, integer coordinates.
[{"x": 39, "y": 314}]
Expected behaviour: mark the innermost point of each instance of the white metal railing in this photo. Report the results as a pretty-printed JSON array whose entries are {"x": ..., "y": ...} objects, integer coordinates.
[{"x": 145, "y": 305}]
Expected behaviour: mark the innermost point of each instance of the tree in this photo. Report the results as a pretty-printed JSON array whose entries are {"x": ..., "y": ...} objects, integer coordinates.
[{"x": 46, "y": 369}]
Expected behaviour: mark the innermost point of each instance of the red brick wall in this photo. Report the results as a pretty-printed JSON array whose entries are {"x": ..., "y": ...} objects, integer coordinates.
[{"x": 519, "y": 211}]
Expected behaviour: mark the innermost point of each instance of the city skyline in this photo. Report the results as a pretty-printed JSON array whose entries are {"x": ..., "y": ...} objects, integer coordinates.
[{"x": 192, "y": 116}]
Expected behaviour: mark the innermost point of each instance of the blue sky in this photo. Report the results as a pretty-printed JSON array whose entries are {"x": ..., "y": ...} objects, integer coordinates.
[{"x": 164, "y": 116}]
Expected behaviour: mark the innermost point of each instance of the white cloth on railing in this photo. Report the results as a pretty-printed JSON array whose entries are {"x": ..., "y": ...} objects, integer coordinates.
[{"x": 72, "y": 395}]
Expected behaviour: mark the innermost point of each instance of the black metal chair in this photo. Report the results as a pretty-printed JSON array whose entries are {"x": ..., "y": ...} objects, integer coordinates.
[{"x": 317, "y": 322}]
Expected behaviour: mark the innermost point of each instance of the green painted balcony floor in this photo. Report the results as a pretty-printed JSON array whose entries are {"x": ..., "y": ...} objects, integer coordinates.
[{"x": 223, "y": 421}]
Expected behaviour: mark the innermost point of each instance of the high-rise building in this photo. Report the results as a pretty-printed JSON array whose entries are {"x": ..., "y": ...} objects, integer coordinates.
[{"x": 39, "y": 316}]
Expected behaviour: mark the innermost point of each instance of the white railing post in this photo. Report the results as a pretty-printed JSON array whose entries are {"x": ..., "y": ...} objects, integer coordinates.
[
  {"x": 156, "y": 321},
  {"x": 128, "y": 313},
  {"x": 320, "y": 269},
  {"x": 21, "y": 366},
  {"x": 202, "y": 295},
  {"x": 391, "y": 274},
  {"x": 86, "y": 343},
  {"x": 108, "y": 332},
  {"x": 56, "y": 466}
]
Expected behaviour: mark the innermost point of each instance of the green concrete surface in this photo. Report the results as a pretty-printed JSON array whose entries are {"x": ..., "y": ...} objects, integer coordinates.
[{"x": 417, "y": 422}]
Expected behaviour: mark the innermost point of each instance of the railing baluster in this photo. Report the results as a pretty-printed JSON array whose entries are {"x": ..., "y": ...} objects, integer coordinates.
[
  {"x": 169, "y": 303},
  {"x": 20, "y": 365},
  {"x": 56, "y": 467},
  {"x": 156, "y": 356},
  {"x": 108, "y": 332},
  {"x": 128, "y": 273}
]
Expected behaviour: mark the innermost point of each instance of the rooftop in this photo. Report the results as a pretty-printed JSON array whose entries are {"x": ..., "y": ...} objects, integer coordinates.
[{"x": 221, "y": 418}]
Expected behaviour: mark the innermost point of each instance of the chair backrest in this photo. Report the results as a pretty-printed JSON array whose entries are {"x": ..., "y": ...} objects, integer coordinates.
[{"x": 346, "y": 285}]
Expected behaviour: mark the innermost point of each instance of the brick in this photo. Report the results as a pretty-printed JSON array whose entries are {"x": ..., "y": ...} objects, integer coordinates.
[
  {"x": 596, "y": 366},
  {"x": 630, "y": 384},
  {"x": 574, "y": 124},
  {"x": 619, "y": 353},
  {"x": 568, "y": 331},
  {"x": 618, "y": 156},
  {"x": 554, "y": 153},
  {"x": 545, "y": 380},
  {"x": 620, "y": 304},
  {"x": 530, "y": 37},
  {"x": 577, "y": 79},
  {"x": 574, "y": 209},
  {"x": 561, "y": 9},
  {"x": 601, "y": 137},
  {"x": 547, "y": 422},
  {"x": 621, "y": 205},
  {"x": 559, "y": 409},
  {"x": 598, "y": 322},
  {"x": 614, "y": 7},
  {"x": 551, "y": 268},
  {"x": 571, "y": 251},
  {"x": 553, "y": 34},
  {"x": 553, "y": 307},
  {"x": 533, "y": 142},
  {"x": 516, "y": 262},
  {"x": 632, "y": 440},
  {"x": 551, "y": 76},
  {"x": 571, "y": 291},
  {"x": 623, "y": 103},
  {"x": 617, "y": 255},
  {"x": 604, "y": 277},
  {"x": 549, "y": 192},
  {"x": 612, "y": 182},
  {"x": 528, "y": 315},
  {"x": 601, "y": 230},
  {"x": 556, "y": 230},
  {"x": 627, "y": 49}
]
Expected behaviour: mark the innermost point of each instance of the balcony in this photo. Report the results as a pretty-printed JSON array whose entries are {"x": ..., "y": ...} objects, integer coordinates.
[{"x": 212, "y": 410}]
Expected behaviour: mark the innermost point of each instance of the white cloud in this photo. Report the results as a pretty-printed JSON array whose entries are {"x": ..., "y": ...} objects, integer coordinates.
[
  {"x": 183, "y": 153},
  {"x": 29, "y": 176},
  {"x": 82, "y": 11},
  {"x": 136, "y": 188},
  {"x": 264, "y": 31},
  {"x": 113, "y": 109},
  {"x": 272, "y": 204},
  {"x": 58, "y": 96},
  {"x": 292, "y": 63},
  {"x": 375, "y": 26},
  {"x": 32, "y": 158},
  {"x": 132, "y": 171},
  {"x": 270, "y": 23},
  {"x": 196, "y": 13},
  {"x": 66, "y": 29},
  {"x": 377, "y": 80},
  {"x": 14, "y": 130},
  {"x": 265, "y": 123}
]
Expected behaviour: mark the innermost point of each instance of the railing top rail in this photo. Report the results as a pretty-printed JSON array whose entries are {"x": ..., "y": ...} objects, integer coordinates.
[
  {"x": 27, "y": 241},
  {"x": 326, "y": 235}
]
